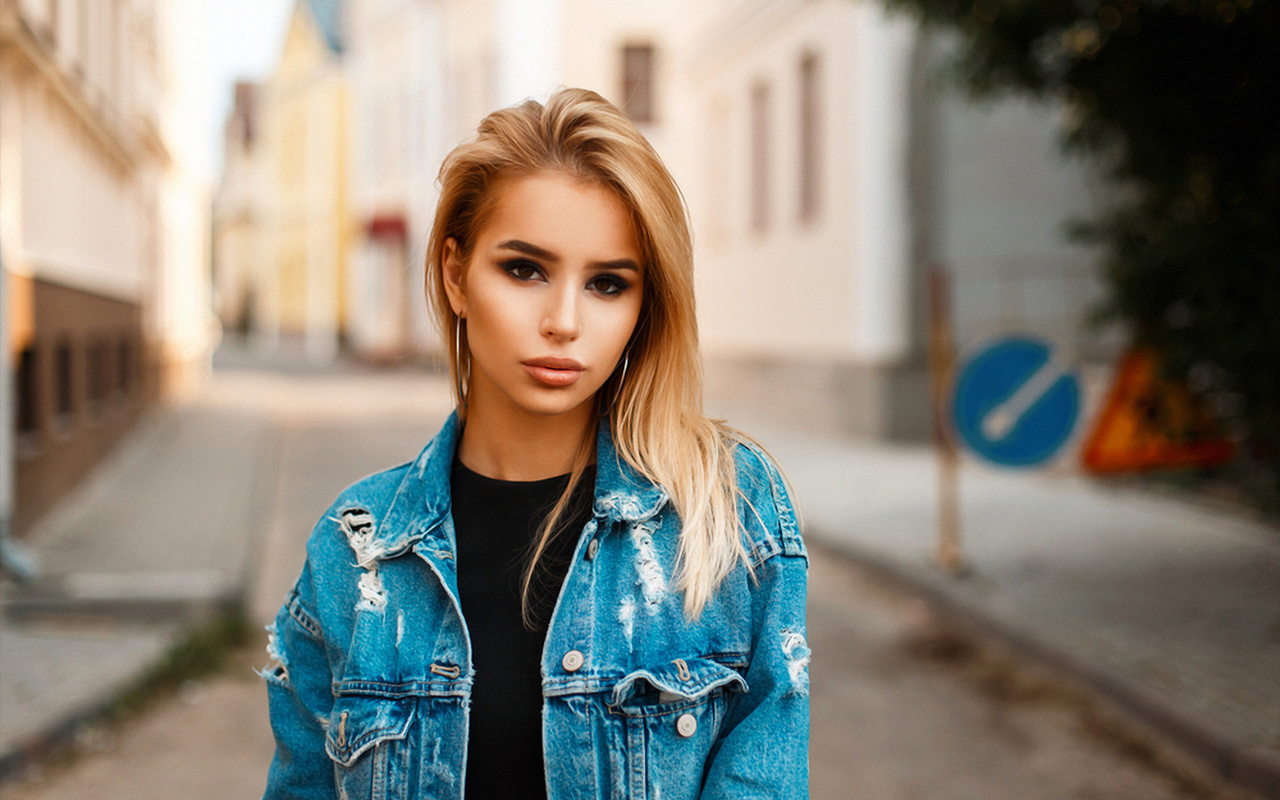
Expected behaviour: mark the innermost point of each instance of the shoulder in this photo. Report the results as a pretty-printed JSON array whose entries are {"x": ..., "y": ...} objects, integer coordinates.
[
  {"x": 373, "y": 493},
  {"x": 382, "y": 515},
  {"x": 351, "y": 519},
  {"x": 766, "y": 512}
]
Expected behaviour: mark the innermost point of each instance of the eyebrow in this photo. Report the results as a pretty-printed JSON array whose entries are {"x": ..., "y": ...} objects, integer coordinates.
[{"x": 546, "y": 255}]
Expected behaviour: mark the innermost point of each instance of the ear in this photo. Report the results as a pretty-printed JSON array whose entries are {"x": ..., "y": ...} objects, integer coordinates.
[{"x": 451, "y": 266}]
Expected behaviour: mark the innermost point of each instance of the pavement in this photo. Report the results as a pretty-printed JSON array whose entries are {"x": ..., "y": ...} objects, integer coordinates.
[
  {"x": 155, "y": 542},
  {"x": 1170, "y": 609}
]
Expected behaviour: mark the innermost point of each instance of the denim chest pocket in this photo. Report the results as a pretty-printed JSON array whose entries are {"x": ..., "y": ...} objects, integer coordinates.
[
  {"x": 365, "y": 740},
  {"x": 672, "y": 714}
]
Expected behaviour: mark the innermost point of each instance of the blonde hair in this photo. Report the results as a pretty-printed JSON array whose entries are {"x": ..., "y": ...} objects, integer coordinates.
[{"x": 654, "y": 410}]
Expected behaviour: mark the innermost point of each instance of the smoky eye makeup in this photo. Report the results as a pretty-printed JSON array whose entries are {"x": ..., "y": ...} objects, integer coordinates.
[
  {"x": 520, "y": 268},
  {"x": 609, "y": 284}
]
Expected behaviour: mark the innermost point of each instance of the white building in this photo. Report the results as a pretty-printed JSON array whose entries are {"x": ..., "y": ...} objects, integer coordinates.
[
  {"x": 395, "y": 71},
  {"x": 101, "y": 235},
  {"x": 839, "y": 170}
]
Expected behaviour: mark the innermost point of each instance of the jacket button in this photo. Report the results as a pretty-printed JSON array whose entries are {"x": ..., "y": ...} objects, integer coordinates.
[
  {"x": 686, "y": 725},
  {"x": 572, "y": 661},
  {"x": 593, "y": 547}
]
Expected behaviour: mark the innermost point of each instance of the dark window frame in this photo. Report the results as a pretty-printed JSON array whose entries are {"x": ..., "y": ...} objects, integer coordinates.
[
  {"x": 64, "y": 377},
  {"x": 761, "y": 144},
  {"x": 125, "y": 378},
  {"x": 28, "y": 419},
  {"x": 639, "y": 82},
  {"x": 810, "y": 137},
  {"x": 98, "y": 383}
]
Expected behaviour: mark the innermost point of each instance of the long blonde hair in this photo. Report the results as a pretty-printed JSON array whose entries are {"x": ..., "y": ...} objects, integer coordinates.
[{"x": 654, "y": 410}]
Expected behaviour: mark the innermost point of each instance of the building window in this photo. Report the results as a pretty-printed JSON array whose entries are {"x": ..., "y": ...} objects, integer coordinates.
[
  {"x": 810, "y": 139},
  {"x": 760, "y": 156},
  {"x": 64, "y": 374},
  {"x": 99, "y": 367},
  {"x": 28, "y": 421},
  {"x": 124, "y": 366},
  {"x": 638, "y": 90}
]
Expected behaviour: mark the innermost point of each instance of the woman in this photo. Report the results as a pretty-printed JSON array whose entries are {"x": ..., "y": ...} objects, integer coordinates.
[{"x": 582, "y": 587}]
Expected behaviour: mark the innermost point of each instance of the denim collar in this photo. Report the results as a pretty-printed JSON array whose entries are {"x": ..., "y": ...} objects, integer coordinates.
[{"x": 422, "y": 500}]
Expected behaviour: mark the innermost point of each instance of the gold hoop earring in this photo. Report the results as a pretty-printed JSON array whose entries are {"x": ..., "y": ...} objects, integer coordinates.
[{"x": 457, "y": 362}]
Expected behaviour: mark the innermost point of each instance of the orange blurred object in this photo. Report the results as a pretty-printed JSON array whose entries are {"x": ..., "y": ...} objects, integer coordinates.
[{"x": 1150, "y": 423}]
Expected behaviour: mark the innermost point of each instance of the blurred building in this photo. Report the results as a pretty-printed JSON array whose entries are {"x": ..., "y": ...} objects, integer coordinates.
[
  {"x": 827, "y": 162},
  {"x": 828, "y": 166},
  {"x": 809, "y": 283},
  {"x": 241, "y": 211},
  {"x": 396, "y": 77},
  {"x": 846, "y": 167},
  {"x": 95, "y": 234},
  {"x": 282, "y": 223},
  {"x": 327, "y": 196}
]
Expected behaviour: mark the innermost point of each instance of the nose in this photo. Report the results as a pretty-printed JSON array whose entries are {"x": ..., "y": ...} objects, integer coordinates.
[{"x": 560, "y": 318}]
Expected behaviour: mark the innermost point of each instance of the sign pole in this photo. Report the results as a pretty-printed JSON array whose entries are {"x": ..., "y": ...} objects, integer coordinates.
[{"x": 949, "y": 554}]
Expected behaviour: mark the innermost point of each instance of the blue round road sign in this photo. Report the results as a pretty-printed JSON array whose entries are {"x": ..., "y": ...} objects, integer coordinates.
[{"x": 1014, "y": 403}]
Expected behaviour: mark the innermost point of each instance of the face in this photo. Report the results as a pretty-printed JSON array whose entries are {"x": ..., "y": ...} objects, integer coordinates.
[{"x": 550, "y": 295}]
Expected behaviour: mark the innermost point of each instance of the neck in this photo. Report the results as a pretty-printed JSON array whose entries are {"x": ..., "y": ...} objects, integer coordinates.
[{"x": 510, "y": 445}]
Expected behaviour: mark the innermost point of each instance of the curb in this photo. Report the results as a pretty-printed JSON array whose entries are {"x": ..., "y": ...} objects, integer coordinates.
[
  {"x": 60, "y": 734},
  {"x": 185, "y": 615},
  {"x": 1253, "y": 771}
]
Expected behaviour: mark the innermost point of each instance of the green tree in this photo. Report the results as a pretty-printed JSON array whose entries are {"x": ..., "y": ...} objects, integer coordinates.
[{"x": 1179, "y": 102}]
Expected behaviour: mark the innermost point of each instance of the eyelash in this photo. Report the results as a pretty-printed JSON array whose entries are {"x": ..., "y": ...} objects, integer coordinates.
[
  {"x": 517, "y": 265},
  {"x": 606, "y": 284},
  {"x": 612, "y": 284}
]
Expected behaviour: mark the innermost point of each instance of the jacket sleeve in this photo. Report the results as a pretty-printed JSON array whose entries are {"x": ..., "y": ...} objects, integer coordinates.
[
  {"x": 764, "y": 751},
  {"x": 299, "y": 699}
]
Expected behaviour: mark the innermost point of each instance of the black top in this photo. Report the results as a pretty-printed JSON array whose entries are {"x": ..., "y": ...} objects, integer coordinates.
[{"x": 496, "y": 522}]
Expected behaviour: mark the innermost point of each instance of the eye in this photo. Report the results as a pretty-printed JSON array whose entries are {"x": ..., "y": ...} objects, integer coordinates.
[
  {"x": 521, "y": 269},
  {"x": 608, "y": 284}
]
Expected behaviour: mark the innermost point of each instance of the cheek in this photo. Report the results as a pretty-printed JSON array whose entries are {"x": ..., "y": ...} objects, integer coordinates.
[
  {"x": 617, "y": 324},
  {"x": 493, "y": 323},
  {"x": 633, "y": 313}
]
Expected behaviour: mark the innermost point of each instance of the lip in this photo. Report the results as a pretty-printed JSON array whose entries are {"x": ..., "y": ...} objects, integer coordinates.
[{"x": 555, "y": 372}]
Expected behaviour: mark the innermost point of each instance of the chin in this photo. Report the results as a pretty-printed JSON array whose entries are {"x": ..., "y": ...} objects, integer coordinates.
[{"x": 550, "y": 403}]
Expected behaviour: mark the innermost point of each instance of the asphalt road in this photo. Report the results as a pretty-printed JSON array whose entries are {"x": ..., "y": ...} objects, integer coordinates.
[{"x": 903, "y": 707}]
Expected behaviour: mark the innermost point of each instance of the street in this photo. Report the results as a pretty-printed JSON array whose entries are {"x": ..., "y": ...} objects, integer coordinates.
[{"x": 902, "y": 705}]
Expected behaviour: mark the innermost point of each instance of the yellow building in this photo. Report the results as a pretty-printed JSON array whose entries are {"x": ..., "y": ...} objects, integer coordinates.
[{"x": 303, "y": 116}]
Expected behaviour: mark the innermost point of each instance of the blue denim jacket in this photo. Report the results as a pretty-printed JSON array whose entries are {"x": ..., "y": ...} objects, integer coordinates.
[{"x": 371, "y": 675}]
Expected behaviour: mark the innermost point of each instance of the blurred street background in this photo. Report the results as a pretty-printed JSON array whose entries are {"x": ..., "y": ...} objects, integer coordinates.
[{"x": 213, "y": 219}]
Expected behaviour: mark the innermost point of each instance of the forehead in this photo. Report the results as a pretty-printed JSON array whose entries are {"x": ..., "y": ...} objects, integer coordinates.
[{"x": 563, "y": 214}]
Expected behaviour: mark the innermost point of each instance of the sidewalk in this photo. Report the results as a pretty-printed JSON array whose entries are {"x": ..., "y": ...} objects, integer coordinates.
[
  {"x": 1170, "y": 609},
  {"x": 206, "y": 504},
  {"x": 157, "y": 539}
]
